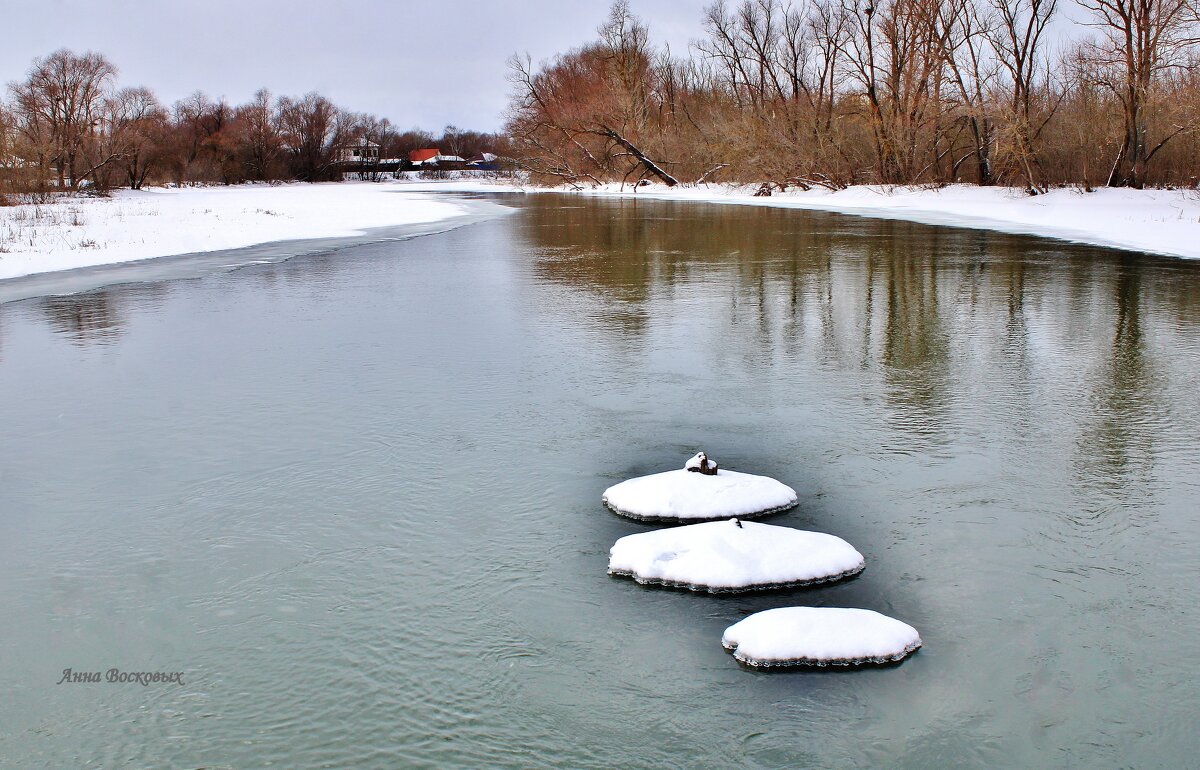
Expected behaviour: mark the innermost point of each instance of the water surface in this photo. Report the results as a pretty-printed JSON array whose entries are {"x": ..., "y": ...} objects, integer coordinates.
[{"x": 355, "y": 497}]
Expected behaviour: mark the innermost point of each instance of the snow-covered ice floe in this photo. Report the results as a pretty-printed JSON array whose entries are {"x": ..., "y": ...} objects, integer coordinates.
[
  {"x": 686, "y": 496},
  {"x": 727, "y": 556},
  {"x": 819, "y": 636}
]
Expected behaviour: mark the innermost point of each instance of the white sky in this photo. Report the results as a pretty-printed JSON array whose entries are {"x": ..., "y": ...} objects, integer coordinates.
[{"x": 423, "y": 64}]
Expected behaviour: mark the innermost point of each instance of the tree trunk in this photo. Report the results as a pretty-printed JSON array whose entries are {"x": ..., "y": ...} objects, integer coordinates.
[{"x": 650, "y": 165}]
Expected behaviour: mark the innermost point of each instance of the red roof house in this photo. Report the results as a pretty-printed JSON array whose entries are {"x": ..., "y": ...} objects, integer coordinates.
[{"x": 420, "y": 156}]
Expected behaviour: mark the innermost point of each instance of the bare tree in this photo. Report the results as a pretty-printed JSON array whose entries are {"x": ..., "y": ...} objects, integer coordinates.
[
  {"x": 206, "y": 148},
  {"x": 451, "y": 142},
  {"x": 12, "y": 166},
  {"x": 590, "y": 112},
  {"x": 130, "y": 139},
  {"x": 1140, "y": 41},
  {"x": 399, "y": 145},
  {"x": 371, "y": 133},
  {"x": 61, "y": 100},
  {"x": 780, "y": 62},
  {"x": 895, "y": 54},
  {"x": 259, "y": 143},
  {"x": 312, "y": 128},
  {"x": 1017, "y": 38},
  {"x": 972, "y": 71}
]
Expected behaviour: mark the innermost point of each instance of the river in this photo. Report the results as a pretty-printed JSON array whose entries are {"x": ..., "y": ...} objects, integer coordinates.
[{"x": 354, "y": 497}]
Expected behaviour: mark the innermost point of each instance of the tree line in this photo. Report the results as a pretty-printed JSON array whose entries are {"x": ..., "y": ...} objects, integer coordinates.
[
  {"x": 68, "y": 125},
  {"x": 829, "y": 93}
]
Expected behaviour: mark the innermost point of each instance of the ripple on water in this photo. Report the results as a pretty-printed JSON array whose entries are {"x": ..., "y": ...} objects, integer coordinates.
[{"x": 356, "y": 498}]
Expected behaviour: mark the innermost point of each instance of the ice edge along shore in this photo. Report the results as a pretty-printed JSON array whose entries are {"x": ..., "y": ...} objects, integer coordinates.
[{"x": 159, "y": 222}]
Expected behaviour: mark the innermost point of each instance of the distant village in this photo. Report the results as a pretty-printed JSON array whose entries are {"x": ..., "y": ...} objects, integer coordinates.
[
  {"x": 364, "y": 159},
  {"x": 68, "y": 126}
]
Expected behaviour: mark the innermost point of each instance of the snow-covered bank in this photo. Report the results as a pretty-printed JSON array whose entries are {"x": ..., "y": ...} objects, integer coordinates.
[
  {"x": 1154, "y": 221},
  {"x": 134, "y": 225},
  {"x": 138, "y": 225}
]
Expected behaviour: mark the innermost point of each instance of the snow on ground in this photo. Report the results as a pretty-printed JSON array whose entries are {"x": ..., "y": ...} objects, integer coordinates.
[
  {"x": 722, "y": 556},
  {"x": 1155, "y": 221},
  {"x": 132, "y": 225},
  {"x": 686, "y": 496},
  {"x": 819, "y": 636}
]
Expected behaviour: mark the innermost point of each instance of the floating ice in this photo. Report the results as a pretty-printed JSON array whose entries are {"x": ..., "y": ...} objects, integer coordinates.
[
  {"x": 721, "y": 556},
  {"x": 686, "y": 496},
  {"x": 819, "y": 636}
]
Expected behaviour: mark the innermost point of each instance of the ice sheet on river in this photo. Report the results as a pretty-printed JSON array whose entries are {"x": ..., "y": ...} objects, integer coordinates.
[
  {"x": 725, "y": 556},
  {"x": 819, "y": 636},
  {"x": 686, "y": 496}
]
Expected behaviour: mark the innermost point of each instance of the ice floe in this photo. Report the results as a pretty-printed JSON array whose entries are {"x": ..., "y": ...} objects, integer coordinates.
[
  {"x": 686, "y": 496},
  {"x": 819, "y": 636},
  {"x": 725, "y": 556}
]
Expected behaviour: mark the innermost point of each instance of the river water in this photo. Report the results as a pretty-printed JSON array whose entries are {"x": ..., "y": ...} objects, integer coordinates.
[{"x": 354, "y": 497}]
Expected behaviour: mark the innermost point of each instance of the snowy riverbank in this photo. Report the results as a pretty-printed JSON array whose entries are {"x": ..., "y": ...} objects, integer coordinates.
[
  {"x": 159, "y": 222},
  {"x": 1155, "y": 221},
  {"x": 135, "y": 225}
]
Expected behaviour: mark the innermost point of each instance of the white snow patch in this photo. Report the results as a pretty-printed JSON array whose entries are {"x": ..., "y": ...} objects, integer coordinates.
[
  {"x": 133, "y": 225},
  {"x": 819, "y": 636},
  {"x": 1154, "y": 221},
  {"x": 684, "y": 495},
  {"x": 159, "y": 222},
  {"x": 701, "y": 463},
  {"x": 722, "y": 556}
]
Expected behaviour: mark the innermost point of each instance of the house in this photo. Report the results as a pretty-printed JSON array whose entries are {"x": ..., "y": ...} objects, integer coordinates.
[
  {"x": 361, "y": 151},
  {"x": 430, "y": 157},
  {"x": 483, "y": 161},
  {"x": 421, "y": 157}
]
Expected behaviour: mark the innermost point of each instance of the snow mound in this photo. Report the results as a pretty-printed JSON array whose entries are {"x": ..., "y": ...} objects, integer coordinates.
[
  {"x": 686, "y": 496},
  {"x": 726, "y": 556},
  {"x": 701, "y": 464},
  {"x": 819, "y": 636}
]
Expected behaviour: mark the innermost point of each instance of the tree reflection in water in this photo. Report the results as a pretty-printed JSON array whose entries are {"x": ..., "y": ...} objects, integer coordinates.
[
  {"x": 1125, "y": 412},
  {"x": 91, "y": 318},
  {"x": 904, "y": 300}
]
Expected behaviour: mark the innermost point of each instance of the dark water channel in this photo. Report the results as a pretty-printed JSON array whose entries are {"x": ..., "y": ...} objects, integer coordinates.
[{"x": 355, "y": 498}]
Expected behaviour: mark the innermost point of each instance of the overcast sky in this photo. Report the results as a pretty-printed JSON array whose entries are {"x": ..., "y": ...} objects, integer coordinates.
[{"x": 424, "y": 64}]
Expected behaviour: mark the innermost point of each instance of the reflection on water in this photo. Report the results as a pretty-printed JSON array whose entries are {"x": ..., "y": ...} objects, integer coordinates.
[
  {"x": 90, "y": 318},
  {"x": 897, "y": 298},
  {"x": 1119, "y": 440},
  {"x": 356, "y": 497},
  {"x": 99, "y": 317}
]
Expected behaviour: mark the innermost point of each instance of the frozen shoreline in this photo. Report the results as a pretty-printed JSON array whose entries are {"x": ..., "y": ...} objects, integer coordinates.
[
  {"x": 1164, "y": 222},
  {"x": 1155, "y": 221},
  {"x": 161, "y": 222},
  {"x": 136, "y": 225}
]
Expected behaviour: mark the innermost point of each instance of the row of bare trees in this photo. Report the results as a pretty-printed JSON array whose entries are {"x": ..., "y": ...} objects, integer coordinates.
[
  {"x": 67, "y": 125},
  {"x": 837, "y": 92}
]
